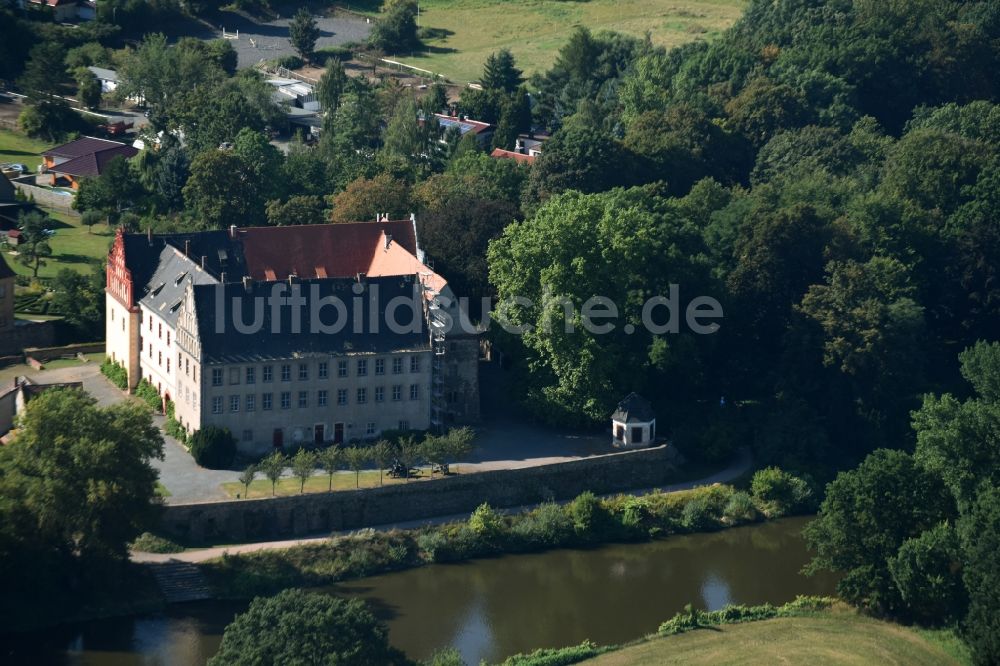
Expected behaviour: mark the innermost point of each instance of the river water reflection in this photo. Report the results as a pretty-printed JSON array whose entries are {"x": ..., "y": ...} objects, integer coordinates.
[{"x": 490, "y": 609}]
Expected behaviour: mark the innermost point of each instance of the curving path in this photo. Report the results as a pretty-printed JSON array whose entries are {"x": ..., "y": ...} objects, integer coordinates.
[{"x": 741, "y": 465}]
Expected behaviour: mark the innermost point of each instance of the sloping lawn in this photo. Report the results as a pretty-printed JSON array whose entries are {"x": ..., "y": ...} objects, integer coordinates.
[
  {"x": 835, "y": 637},
  {"x": 534, "y": 30},
  {"x": 16, "y": 147},
  {"x": 73, "y": 246}
]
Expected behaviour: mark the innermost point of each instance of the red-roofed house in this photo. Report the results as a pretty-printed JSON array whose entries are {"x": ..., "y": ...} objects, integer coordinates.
[
  {"x": 86, "y": 157},
  {"x": 520, "y": 158}
]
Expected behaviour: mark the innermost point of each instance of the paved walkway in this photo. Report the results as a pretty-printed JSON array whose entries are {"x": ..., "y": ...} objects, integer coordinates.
[{"x": 737, "y": 468}]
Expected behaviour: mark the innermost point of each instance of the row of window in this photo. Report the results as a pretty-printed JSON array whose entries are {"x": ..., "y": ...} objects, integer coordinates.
[
  {"x": 249, "y": 401},
  {"x": 249, "y": 374}
]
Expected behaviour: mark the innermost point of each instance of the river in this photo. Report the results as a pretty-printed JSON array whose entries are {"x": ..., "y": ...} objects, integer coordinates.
[{"x": 492, "y": 608}]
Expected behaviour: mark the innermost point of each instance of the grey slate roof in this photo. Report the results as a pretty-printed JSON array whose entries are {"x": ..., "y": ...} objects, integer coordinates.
[
  {"x": 221, "y": 253},
  {"x": 634, "y": 409},
  {"x": 165, "y": 289},
  {"x": 221, "y": 342}
]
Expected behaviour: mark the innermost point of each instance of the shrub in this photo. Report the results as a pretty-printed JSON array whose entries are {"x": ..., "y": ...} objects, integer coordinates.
[
  {"x": 289, "y": 62},
  {"x": 173, "y": 427},
  {"x": 116, "y": 373},
  {"x": 151, "y": 543},
  {"x": 149, "y": 395},
  {"x": 778, "y": 493},
  {"x": 697, "y": 516},
  {"x": 213, "y": 447},
  {"x": 692, "y": 618},
  {"x": 339, "y": 52},
  {"x": 740, "y": 508},
  {"x": 546, "y": 526},
  {"x": 445, "y": 657},
  {"x": 555, "y": 657},
  {"x": 591, "y": 519},
  {"x": 487, "y": 524}
]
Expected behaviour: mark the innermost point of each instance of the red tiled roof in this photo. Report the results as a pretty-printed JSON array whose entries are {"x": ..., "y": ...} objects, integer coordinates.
[
  {"x": 520, "y": 158},
  {"x": 87, "y": 145},
  {"x": 93, "y": 164},
  {"x": 320, "y": 250}
]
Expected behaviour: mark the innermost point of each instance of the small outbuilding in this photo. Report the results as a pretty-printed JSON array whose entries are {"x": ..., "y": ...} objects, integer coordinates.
[{"x": 633, "y": 425}]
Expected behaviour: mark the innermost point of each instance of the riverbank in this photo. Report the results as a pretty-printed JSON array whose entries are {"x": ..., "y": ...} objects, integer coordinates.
[{"x": 585, "y": 521}]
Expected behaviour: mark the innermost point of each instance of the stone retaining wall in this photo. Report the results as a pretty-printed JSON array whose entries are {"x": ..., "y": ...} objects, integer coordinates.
[
  {"x": 315, "y": 513},
  {"x": 44, "y": 196}
]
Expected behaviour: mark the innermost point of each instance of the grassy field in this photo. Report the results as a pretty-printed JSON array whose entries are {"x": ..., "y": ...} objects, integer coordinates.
[
  {"x": 73, "y": 246},
  {"x": 319, "y": 484},
  {"x": 534, "y": 30},
  {"x": 16, "y": 147},
  {"x": 834, "y": 637}
]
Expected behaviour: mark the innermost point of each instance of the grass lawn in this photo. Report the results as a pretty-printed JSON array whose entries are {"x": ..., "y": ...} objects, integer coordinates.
[
  {"x": 835, "y": 637},
  {"x": 16, "y": 147},
  {"x": 73, "y": 246},
  {"x": 261, "y": 487},
  {"x": 534, "y": 30}
]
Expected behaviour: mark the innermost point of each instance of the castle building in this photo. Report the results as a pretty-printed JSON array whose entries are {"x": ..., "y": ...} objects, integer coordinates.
[{"x": 289, "y": 335}]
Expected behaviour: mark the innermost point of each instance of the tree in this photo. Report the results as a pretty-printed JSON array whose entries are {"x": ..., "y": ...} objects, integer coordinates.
[
  {"x": 213, "y": 447},
  {"x": 500, "y": 73},
  {"x": 357, "y": 457},
  {"x": 403, "y": 135},
  {"x": 90, "y": 218},
  {"x": 273, "y": 466},
  {"x": 79, "y": 299},
  {"x": 867, "y": 515},
  {"x": 116, "y": 190},
  {"x": 33, "y": 247},
  {"x": 303, "y": 466},
  {"x": 927, "y": 570},
  {"x": 78, "y": 479},
  {"x": 979, "y": 531},
  {"x": 778, "y": 493},
  {"x": 331, "y": 86},
  {"x": 170, "y": 175},
  {"x": 395, "y": 31},
  {"x": 409, "y": 454},
  {"x": 582, "y": 159},
  {"x": 303, "y": 33},
  {"x": 435, "y": 101},
  {"x": 331, "y": 459},
  {"x": 299, "y": 209},
  {"x": 382, "y": 454},
  {"x": 88, "y": 88},
  {"x": 219, "y": 194},
  {"x": 299, "y": 627},
  {"x": 458, "y": 444},
  {"x": 365, "y": 198},
  {"x": 247, "y": 476},
  {"x": 433, "y": 450}
]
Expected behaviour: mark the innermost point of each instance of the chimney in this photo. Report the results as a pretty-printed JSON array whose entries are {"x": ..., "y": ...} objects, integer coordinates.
[
  {"x": 361, "y": 277},
  {"x": 232, "y": 231},
  {"x": 202, "y": 262},
  {"x": 149, "y": 234},
  {"x": 222, "y": 277},
  {"x": 246, "y": 283},
  {"x": 187, "y": 247},
  {"x": 388, "y": 239}
]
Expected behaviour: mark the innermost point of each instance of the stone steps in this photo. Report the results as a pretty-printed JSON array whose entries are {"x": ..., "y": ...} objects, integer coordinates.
[{"x": 180, "y": 581}]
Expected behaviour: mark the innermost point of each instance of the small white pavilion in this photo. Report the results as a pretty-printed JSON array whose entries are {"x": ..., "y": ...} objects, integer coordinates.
[{"x": 633, "y": 425}]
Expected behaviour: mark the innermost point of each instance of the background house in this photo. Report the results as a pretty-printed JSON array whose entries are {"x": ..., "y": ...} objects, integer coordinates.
[{"x": 84, "y": 158}]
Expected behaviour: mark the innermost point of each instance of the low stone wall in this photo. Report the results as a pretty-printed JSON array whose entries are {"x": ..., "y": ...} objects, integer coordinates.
[
  {"x": 44, "y": 196},
  {"x": 298, "y": 515},
  {"x": 27, "y": 334},
  {"x": 46, "y": 354}
]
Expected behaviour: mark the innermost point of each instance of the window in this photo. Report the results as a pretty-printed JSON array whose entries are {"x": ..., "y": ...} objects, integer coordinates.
[
  {"x": 362, "y": 396},
  {"x": 216, "y": 376},
  {"x": 248, "y": 435},
  {"x": 380, "y": 366},
  {"x": 341, "y": 396},
  {"x": 414, "y": 391},
  {"x": 414, "y": 364},
  {"x": 251, "y": 375},
  {"x": 267, "y": 373},
  {"x": 303, "y": 372},
  {"x": 404, "y": 425},
  {"x": 159, "y": 331},
  {"x": 150, "y": 320},
  {"x": 397, "y": 391},
  {"x": 379, "y": 394},
  {"x": 150, "y": 350},
  {"x": 303, "y": 399},
  {"x": 168, "y": 365},
  {"x": 370, "y": 428},
  {"x": 217, "y": 404},
  {"x": 234, "y": 403},
  {"x": 321, "y": 370},
  {"x": 168, "y": 338},
  {"x": 321, "y": 398},
  {"x": 265, "y": 401},
  {"x": 159, "y": 358},
  {"x": 362, "y": 367},
  {"x": 251, "y": 402},
  {"x": 286, "y": 399},
  {"x": 342, "y": 368},
  {"x": 234, "y": 375},
  {"x": 286, "y": 373},
  {"x": 397, "y": 365}
]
